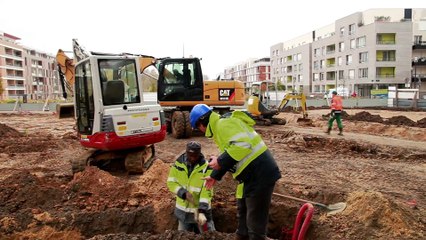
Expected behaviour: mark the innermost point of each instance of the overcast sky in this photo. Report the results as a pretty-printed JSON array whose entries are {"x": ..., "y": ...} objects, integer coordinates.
[{"x": 222, "y": 32}]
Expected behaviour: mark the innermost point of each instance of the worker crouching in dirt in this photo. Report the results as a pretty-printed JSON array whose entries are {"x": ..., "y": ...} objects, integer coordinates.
[
  {"x": 246, "y": 156},
  {"x": 193, "y": 200},
  {"x": 336, "y": 112}
]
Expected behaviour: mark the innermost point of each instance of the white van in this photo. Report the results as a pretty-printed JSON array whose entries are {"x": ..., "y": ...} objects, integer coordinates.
[{"x": 344, "y": 92}]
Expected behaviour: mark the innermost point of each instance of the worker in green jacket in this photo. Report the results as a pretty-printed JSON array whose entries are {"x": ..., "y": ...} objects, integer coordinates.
[
  {"x": 246, "y": 156},
  {"x": 193, "y": 200}
]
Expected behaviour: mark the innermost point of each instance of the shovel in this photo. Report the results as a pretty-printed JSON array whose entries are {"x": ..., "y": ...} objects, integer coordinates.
[{"x": 332, "y": 208}]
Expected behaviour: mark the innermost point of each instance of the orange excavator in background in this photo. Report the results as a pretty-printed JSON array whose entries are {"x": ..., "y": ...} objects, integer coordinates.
[
  {"x": 112, "y": 119},
  {"x": 181, "y": 86}
]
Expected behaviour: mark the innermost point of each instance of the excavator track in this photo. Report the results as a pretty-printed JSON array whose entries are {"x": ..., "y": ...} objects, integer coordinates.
[
  {"x": 133, "y": 160},
  {"x": 79, "y": 164},
  {"x": 139, "y": 161}
]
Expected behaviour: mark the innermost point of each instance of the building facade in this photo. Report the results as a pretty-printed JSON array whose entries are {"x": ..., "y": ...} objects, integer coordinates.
[
  {"x": 25, "y": 73},
  {"x": 41, "y": 75},
  {"x": 11, "y": 67},
  {"x": 364, "y": 51},
  {"x": 251, "y": 70}
]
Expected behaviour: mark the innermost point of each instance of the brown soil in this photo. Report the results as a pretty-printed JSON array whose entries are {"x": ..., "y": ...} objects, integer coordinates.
[{"x": 377, "y": 168}]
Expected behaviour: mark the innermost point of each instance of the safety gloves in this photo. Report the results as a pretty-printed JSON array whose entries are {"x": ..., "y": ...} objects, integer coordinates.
[{"x": 201, "y": 219}]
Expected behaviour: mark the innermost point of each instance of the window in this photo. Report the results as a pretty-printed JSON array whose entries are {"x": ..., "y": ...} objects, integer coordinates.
[
  {"x": 351, "y": 29},
  {"x": 386, "y": 56},
  {"x": 361, "y": 41},
  {"x": 317, "y": 52},
  {"x": 341, "y": 74},
  {"x": 300, "y": 67},
  {"x": 316, "y": 76},
  {"x": 322, "y": 64},
  {"x": 119, "y": 74},
  {"x": 363, "y": 73},
  {"x": 316, "y": 66},
  {"x": 351, "y": 74},
  {"x": 321, "y": 76},
  {"x": 342, "y": 31},
  {"x": 299, "y": 57},
  {"x": 363, "y": 57},
  {"x": 341, "y": 46},
  {"x": 348, "y": 59},
  {"x": 339, "y": 61},
  {"x": 353, "y": 44}
]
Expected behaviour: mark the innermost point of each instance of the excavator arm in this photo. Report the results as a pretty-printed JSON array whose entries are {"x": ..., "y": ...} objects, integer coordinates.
[
  {"x": 66, "y": 71},
  {"x": 297, "y": 97}
]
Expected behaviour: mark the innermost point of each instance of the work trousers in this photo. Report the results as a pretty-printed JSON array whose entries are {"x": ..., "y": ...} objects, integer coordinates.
[
  {"x": 253, "y": 214},
  {"x": 338, "y": 118}
]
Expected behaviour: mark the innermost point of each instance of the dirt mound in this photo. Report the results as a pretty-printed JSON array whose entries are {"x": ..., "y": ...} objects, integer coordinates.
[
  {"x": 401, "y": 121},
  {"x": 23, "y": 190},
  {"x": 366, "y": 117},
  {"x": 380, "y": 214},
  {"x": 421, "y": 123},
  {"x": 7, "y": 131},
  {"x": 96, "y": 190},
  {"x": 20, "y": 143},
  {"x": 47, "y": 233}
]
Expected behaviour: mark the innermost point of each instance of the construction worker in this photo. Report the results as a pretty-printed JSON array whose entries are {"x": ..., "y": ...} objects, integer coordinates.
[
  {"x": 246, "y": 156},
  {"x": 193, "y": 200},
  {"x": 336, "y": 112}
]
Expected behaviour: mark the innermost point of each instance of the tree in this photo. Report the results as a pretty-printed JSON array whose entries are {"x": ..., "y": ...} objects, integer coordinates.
[
  {"x": 1, "y": 87},
  {"x": 280, "y": 86}
]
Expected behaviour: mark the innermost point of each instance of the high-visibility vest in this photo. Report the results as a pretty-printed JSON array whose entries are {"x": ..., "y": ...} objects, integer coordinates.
[
  {"x": 336, "y": 103},
  {"x": 178, "y": 178},
  {"x": 236, "y": 136}
]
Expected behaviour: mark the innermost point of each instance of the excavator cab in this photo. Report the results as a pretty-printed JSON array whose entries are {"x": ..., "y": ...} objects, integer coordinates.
[{"x": 181, "y": 79}]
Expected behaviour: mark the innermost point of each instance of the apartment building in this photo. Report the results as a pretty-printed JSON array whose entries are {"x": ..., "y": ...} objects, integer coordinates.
[
  {"x": 41, "y": 75},
  {"x": 11, "y": 67},
  {"x": 251, "y": 70},
  {"x": 362, "y": 52},
  {"x": 26, "y": 73}
]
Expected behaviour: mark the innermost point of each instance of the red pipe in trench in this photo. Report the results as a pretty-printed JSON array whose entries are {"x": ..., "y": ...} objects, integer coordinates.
[{"x": 300, "y": 235}]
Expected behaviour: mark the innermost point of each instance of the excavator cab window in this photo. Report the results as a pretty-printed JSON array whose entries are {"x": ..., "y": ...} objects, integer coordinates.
[
  {"x": 84, "y": 98},
  {"x": 119, "y": 81},
  {"x": 180, "y": 80}
]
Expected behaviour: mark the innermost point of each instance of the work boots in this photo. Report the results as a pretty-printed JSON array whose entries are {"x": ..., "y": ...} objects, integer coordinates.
[
  {"x": 328, "y": 131},
  {"x": 340, "y": 132}
]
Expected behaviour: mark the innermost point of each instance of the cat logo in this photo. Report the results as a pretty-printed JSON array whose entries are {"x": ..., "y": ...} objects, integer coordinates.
[{"x": 226, "y": 94}]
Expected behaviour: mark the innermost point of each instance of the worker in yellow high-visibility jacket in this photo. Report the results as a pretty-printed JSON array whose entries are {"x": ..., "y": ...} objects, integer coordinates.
[
  {"x": 193, "y": 200},
  {"x": 243, "y": 153}
]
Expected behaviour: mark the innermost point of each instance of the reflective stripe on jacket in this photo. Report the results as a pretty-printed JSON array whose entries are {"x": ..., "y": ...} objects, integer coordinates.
[
  {"x": 236, "y": 136},
  {"x": 336, "y": 103},
  {"x": 179, "y": 181}
]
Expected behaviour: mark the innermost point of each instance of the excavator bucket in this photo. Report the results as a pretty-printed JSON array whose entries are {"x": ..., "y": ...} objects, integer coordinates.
[
  {"x": 65, "y": 110},
  {"x": 304, "y": 120}
]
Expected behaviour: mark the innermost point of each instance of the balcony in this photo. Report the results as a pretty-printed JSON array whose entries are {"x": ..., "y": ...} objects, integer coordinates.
[
  {"x": 389, "y": 59},
  {"x": 419, "y": 61},
  {"x": 419, "y": 45},
  {"x": 15, "y": 87},
  {"x": 385, "y": 76}
]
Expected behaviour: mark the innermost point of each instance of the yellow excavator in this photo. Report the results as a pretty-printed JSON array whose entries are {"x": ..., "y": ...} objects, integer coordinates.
[{"x": 260, "y": 106}]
